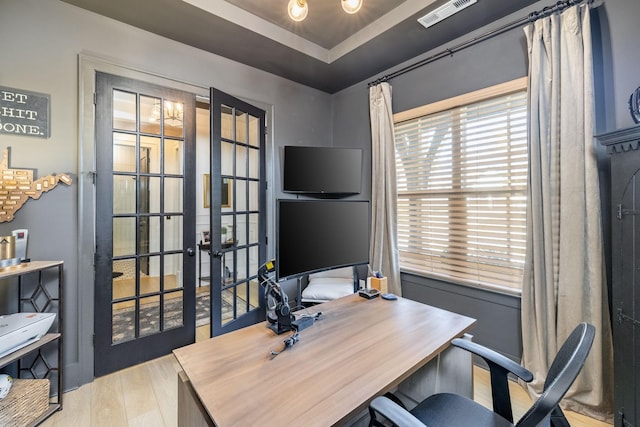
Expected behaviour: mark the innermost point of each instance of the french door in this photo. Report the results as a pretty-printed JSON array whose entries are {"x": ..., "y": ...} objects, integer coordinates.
[
  {"x": 145, "y": 225},
  {"x": 238, "y": 212}
]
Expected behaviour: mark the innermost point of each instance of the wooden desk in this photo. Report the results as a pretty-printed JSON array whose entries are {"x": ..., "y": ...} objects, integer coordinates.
[{"x": 359, "y": 349}]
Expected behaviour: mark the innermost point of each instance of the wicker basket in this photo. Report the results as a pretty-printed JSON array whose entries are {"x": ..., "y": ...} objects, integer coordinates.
[{"x": 27, "y": 400}]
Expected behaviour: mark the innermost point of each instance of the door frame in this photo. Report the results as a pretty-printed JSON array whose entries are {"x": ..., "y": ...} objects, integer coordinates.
[{"x": 81, "y": 367}]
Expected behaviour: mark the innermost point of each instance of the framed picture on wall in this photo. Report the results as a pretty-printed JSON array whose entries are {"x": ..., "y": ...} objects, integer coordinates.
[
  {"x": 225, "y": 192},
  {"x": 206, "y": 194},
  {"x": 205, "y": 236}
]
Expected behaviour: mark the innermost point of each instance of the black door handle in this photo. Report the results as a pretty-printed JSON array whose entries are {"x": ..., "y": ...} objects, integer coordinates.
[
  {"x": 217, "y": 254},
  {"x": 191, "y": 252}
]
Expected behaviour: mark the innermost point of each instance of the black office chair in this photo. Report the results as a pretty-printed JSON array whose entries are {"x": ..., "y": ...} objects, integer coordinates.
[{"x": 451, "y": 410}]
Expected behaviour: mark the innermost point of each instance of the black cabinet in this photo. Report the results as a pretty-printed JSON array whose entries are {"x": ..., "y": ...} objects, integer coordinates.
[
  {"x": 39, "y": 291},
  {"x": 623, "y": 147}
]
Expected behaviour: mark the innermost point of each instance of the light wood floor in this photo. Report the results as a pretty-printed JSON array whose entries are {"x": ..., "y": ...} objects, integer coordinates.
[
  {"x": 146, "y": 395},
  {"x": 520, "y": 400}
]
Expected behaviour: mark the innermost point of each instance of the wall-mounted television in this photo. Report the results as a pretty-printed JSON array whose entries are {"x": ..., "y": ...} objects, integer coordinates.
[
  {"x": 322, "y": 170},
  {"x": 316, "y": 235}
]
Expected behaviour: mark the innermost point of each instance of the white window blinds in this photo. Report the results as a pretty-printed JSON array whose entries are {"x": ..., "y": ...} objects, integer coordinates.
[{"x": 462, "y": 177}]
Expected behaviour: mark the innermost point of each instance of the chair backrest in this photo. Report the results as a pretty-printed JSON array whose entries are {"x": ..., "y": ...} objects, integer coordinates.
[{"x": 563, "y": 371}]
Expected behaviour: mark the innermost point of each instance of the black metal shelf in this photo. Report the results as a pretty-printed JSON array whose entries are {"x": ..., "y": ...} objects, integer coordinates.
[{"x": 35, "y": 296}]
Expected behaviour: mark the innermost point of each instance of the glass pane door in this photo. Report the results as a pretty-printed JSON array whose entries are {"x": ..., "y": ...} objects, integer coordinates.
[
  {"x": 146, "y": 277},
  {"x": 238, "y": 211}
]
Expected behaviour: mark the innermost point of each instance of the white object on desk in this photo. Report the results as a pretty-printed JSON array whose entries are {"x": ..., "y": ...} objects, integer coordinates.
[{"x": 329, "y": 285}]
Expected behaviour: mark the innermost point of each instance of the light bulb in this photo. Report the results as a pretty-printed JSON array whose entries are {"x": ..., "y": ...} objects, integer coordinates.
[
  {"x": 297, "y": 9},
  {"x": 351, "y": 6}
]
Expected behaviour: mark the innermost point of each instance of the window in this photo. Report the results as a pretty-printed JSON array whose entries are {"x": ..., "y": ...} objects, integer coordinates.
[{"x": 462, "y": 180}]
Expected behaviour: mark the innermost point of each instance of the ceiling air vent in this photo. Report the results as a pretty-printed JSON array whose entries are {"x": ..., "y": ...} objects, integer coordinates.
[{"x": 445, "y": 11}]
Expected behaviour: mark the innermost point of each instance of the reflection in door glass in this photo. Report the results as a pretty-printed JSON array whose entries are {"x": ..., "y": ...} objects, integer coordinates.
[
  {"x": 254, "y": 163},
  {"x": 241, "y": 126},
  {"x": 173, "y": 118},
  {"x": 152, "y": 236},
  {"x": 149, "y": 154},
  {"x": 149, "y": 194},
  {"x": 254, "y": 291},
  {"x": 173, "y": 272},
  {"x": 173, "y": 194},
  {"x": 254, "y": 230},
  {"x": 241, "y": 264},
  {"x": 253, "y": 259},
  {"x": 228, "y": 311},
  {"x": 254, "y": 131},
  {"x": 124, "y": 152},
  {"x": 241, "y": 229},
  {"x": 124, "y": 194},
  {"x": 242, "y": 298},
  {"x": 124, "y": 278},
  {"x": 124, "y": 321},
  {"x": 123, "y": 229},
  {"x": 226, "y": 193},
  {"x": 228, "y": 268},
  {"x": 150, "y": 114},
  {"x": 149, "y": 315},
  {"x": 254, "y": 196},
  {"x": 227, "y": 155},
  {"x": 173, "y": 156},
  {"x": 172, "y": 233},
  {"x": 227, "y": 232},
  {"x": 241, "y": 195},
  {"x": 241, "y": 161},
  {"x": 173, "y": 310},
  {"x": 226, "y": 121},
  {"x": 124, "y": 110}
]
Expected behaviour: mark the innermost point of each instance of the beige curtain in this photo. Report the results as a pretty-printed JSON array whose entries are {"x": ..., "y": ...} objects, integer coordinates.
[
  {"x": 564, "y": 280},
  {"x": 384, "y": 242}
]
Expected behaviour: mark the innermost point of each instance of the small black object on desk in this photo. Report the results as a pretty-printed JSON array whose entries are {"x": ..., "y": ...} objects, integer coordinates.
[{"x": 369, "y": 293}]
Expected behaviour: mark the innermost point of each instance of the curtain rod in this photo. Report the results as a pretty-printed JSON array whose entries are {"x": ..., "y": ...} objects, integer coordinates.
[{"x": 532, "y": 17}]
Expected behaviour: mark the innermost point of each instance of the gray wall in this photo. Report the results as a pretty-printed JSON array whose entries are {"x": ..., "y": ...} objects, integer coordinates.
[{"x": 497, "y": 60}]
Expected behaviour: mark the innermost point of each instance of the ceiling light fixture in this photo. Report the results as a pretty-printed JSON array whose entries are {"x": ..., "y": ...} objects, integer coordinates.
[
  {"x": 351, "y": 6},
  {"x": 173, "y": 113},
  {"x": 298, "y": 9}
]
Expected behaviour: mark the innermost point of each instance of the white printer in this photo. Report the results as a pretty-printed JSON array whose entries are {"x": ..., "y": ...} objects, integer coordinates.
[{"x": 21, "y": 329}]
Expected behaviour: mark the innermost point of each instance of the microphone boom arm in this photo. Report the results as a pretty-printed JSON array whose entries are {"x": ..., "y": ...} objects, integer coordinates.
[{"x": 278, "y": 310}]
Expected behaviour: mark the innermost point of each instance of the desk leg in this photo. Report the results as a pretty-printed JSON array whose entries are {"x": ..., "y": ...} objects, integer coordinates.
[
  {"x": 450, "y": 372},
  {"x": 190, "y": 410}
]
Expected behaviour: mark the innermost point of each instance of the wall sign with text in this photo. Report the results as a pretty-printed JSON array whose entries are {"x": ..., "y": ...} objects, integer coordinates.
[{"x": 24, "y": 113}]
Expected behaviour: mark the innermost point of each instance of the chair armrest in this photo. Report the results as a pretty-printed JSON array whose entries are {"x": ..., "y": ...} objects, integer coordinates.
[
  {"x": 393, "y": 412},
  {"x": 499, "y": 369},
  {"x": 493, "y": 357}
]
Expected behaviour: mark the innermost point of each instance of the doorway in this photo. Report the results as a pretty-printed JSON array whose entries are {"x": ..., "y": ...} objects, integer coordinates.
[{"x": 134, "y": 239}]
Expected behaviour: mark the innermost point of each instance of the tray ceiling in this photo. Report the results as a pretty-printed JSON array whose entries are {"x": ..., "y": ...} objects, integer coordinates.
[{"x": 330, "y": 50}]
